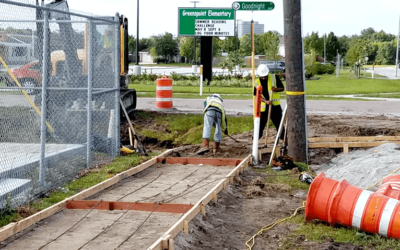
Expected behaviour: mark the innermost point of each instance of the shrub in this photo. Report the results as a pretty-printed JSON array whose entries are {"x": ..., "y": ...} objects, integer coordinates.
[{"x": 319, "y": 69}]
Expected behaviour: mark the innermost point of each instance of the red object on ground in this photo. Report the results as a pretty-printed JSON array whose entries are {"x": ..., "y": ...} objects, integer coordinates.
[
  {"x": 119, "y": 205},
  {"x": 205, "y": 161},
  {"x": 164, "y": 93},
  {"x": 340, "y": 203},
  {"x": 390, "y": 187}
]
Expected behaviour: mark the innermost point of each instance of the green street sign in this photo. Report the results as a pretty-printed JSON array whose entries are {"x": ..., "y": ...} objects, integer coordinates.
[
  {"x": 253, "y": 6},
  {"x": 206, "y": 22}
]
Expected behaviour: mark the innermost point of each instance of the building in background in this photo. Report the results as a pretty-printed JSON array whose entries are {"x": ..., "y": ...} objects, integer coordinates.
[{"x": 244, "y": 28}]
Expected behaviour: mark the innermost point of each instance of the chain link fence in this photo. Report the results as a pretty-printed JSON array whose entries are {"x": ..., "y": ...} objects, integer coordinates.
[{"x": 59, "y": 96}]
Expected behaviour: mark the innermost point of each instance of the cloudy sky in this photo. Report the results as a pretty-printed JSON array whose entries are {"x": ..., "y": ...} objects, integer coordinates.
[{"x": 343, "y": 17}]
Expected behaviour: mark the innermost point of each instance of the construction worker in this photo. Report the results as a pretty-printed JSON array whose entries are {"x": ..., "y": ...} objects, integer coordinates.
[
  {"x": 267, "y": 83},
  {"x": 214, "y": 115}
]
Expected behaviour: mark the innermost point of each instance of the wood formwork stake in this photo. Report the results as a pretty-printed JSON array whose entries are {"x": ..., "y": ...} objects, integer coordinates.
[
  {"x": 231, "y": 180},
  {"x": 186, "y": 227},
  {"x": 215, "y": 198},
  {"x": 224, "y": 185},
  {"x": 346, "y": 148},
  {"x": 203, "y": 209},
  {"x": 164, "y": 244},
  {"x": 130, "y": 137},
  {"x": 171, "y": 244}
]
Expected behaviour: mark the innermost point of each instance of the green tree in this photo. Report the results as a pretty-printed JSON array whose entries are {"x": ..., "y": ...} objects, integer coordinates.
[
  {"x": 332, "y": 46},
  {"x": 314, "y": 42},
  {"x": 231, "y": 61},
  {"x": 131, "y": 44},
  {"x": 153, "y": 53},
  {"x": 344, "y": 43},
  {"x": 145, "y": 43},
  {"x": 270, "y": 44},
  {"x": 166, "y": 46},
  {"x": 228, "y": 44},
  {"x": 359, "y": 49},
  {"x": 386, "y": 53},
  {"x": 186, "y": 47},
  {"x": 245, "y": 45},
  {"x": 381, "y": 36},
  {"x": 367, "y": 33},
  {"x": 216, "y": 46}
]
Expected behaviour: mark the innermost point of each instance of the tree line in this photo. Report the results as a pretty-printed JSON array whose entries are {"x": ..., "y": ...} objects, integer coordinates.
[{"x": 378, "y": 46}]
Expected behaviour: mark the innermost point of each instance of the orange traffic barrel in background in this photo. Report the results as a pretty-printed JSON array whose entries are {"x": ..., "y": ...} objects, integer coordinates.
[
  {"x": 340, "y": 203},
  {"x": 390, "y": 187},
  {"x": 164, "y": 93}
]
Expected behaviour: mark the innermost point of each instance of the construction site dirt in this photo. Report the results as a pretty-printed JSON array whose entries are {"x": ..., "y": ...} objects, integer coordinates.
[{"x": 241, "y": 211}]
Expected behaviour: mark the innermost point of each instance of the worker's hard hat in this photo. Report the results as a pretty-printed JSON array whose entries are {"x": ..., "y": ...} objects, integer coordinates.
[{"x": 262, "y": 70}]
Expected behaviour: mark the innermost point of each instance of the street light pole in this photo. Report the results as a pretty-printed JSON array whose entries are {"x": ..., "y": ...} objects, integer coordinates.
[{"x": 194, "y": 37}]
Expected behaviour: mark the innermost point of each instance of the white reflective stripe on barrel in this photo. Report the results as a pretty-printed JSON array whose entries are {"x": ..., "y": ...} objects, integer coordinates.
[
  {"x": 386, "y": 215},
  {"x": 164, "y": 88},
  {"x": 359, "y": 209},
  {"x": 163, "y": 99}
]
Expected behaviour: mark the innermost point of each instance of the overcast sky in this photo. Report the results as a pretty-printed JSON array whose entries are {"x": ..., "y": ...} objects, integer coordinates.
[{"x": 343, "y": 17}]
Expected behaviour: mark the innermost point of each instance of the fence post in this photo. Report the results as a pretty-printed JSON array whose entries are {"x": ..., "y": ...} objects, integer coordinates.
[
  {"x": 89, "y": 97},
  {"x": 117, "y": 85},
  {"x": 43, "y": 128}
]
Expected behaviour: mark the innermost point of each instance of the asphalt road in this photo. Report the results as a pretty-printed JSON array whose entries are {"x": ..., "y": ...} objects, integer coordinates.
[
  {"x": 388, "y": 72},
  {"x": 237, "y": 107}
]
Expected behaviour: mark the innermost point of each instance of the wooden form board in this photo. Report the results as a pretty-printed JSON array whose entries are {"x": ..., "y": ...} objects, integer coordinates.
[
  {"x": 355, "y": 139},
  {"x": 205, "y": 161},
  {"x": 179, "y": 226},
  {"x": 13, "y": 228},
  {"x": 351, "y": 142},
  {"x": 137, "y": 206}
]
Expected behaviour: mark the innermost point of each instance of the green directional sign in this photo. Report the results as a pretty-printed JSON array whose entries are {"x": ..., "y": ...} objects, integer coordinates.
[
  {"x": 253, "y": 6},
  {"x": 206, "y": 22}
]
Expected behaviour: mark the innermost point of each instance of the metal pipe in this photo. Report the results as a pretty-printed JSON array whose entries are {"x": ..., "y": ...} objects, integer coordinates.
[
  {"x": 397, "y": 50},
  {"x": 52, "y": 88},
  {"x": 89, "y": 97},
  {"x": 137, "y": 35},
  {"x": 117, "y": 93},
  {"x": 54, "y": 10},
  {"x": 43, "y": 129}
]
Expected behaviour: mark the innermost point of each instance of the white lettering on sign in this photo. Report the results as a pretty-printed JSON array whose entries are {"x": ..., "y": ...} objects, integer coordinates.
[
  {"x": 253, "y": 6},
  {"x": 215, "y": 27},
  {"x": 219, "y": 13},
  {"x": 194, "y": 13}
]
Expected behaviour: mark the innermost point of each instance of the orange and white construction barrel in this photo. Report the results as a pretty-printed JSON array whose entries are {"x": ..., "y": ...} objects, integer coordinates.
[{"x": 164, "y": 93}]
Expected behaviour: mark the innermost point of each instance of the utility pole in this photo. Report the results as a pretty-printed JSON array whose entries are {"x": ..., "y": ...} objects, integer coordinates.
[
  {"x": 194, "y": 37},
  {"x": 137, "y": 35},
  {"x": 397, "y": 50},
  {"x": 295, "y": 83},
  {"x": 237, "y": 33}
]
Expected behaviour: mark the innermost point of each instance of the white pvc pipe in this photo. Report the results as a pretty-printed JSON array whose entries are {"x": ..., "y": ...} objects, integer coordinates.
[
  {"x": 201, "y": 79},
  {"x": 255, "y": 139}
]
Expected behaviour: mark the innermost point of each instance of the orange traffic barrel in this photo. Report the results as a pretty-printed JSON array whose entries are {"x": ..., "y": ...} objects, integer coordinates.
[
  {"x": 164, "y": 93},
  {"x": 353, "y": 207},
  {"x": 319, "y": 198},
  {"x": 390, "y": 187}
]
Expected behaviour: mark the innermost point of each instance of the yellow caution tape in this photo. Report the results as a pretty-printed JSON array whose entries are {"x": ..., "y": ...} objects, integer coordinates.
[
  {"x": 23, "y": 92},
  {"x": 295, "y": 93}
]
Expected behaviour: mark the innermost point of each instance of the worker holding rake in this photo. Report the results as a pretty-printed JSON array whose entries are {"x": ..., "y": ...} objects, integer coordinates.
[
  {"x": 272, "y": 85},
  {"x": 214, "y": 115}
]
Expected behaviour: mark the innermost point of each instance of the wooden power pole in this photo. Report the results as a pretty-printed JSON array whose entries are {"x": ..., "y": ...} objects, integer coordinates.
[{"x": 295, "y": 82}]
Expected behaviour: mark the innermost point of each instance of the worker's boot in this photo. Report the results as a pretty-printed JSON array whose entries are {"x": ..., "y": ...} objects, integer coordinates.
[
  {"x": 216, "y": 147},
  {"x": 205, "y": 148}
]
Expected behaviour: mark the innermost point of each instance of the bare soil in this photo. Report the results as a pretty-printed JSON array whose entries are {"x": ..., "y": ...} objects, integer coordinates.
[{"x": 242, "y": 210}]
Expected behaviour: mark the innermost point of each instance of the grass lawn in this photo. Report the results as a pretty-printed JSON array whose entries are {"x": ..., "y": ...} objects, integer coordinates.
[
  {"x": 345, "y": 84},
  {"x": 188, "y": 129}
]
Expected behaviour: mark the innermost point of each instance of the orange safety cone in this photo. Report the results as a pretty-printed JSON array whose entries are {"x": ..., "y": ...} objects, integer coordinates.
[
  {"x": 390, "y": 187},
  {"x": 351, "y": 206},
  {"x": 319, "y": 197}
]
